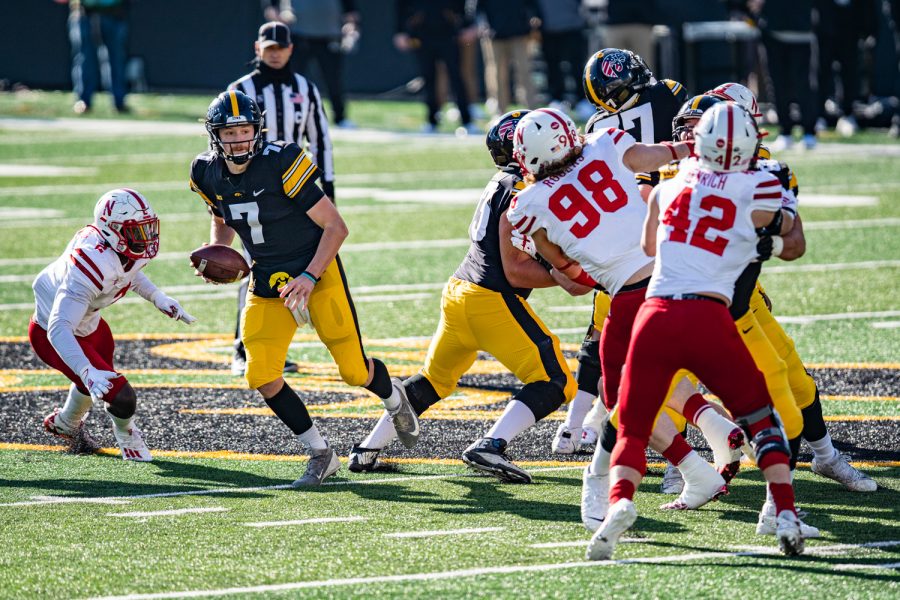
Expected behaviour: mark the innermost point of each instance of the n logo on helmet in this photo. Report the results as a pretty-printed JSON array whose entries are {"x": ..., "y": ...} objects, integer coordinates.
[
  {"x": 506, "y": 130},
  {"x": 613, "y": 64}
]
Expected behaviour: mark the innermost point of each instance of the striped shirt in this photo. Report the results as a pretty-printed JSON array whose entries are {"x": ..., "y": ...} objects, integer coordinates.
[{"x": 292, "y": 111}]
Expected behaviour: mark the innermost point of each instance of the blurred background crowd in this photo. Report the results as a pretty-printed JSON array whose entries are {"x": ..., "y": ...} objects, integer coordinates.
[{"x": 814, "y": 64}]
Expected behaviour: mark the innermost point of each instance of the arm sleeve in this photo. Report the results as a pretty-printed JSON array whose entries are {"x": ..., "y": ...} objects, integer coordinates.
[
  {"x": 69, "y": 307},
  {"x": 299, "y": 176},
  {"x": 143, "y": 287},
  {"x": 318, "y": 136}
]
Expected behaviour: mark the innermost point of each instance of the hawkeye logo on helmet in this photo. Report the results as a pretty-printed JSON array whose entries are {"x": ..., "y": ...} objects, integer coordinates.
[{"x": 613, "y": 64}]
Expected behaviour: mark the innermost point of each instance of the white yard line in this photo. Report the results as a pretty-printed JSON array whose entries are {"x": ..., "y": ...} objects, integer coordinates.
[
  {"x": 168, "y": 513},
  {"x": 852, "y": 224},
  {"x": 583, "y": 543},
  {"x": 861, "y": 567},
  {"x": 265, "y": 488},
  {"x": 500, "y": 570},
  {"x": 305, "y": 521},
  {"x": 434, "y": 533},
  {"x": 829, "y": 267}
]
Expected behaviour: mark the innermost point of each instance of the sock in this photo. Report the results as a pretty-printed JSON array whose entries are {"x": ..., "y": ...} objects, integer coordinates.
[
  {"x": 595, "y": 416},
  {"x": 288, "y": 407},
  {"x": 578, "y": 409},
  {"x": 381, "y": 385},
  {"x": 813, "y": 422},
  {"x": 606, "y": 441},
  {"x": 622, "y": 489},
  {"x": 677, "y": 450},
  {"x": 77, "y": 405},
  {"x": 121, "y": 425},
  {"x": 695, "y": 405},
  {"x": 694, "y": 469},
  {"x": 381, "y": 435},
  {"x": 783, "y": 497},
  {"x": 769, "y": 498},
  {"x": 823, "y": 449},
  {"x": 312, "y": 439},
  {"x": 515, "y": 419},
  {"x": 716, "y": 429}
]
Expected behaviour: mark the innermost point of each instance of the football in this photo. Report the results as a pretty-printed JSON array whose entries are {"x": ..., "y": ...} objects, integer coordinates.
[{"x": 219, "y": 263}]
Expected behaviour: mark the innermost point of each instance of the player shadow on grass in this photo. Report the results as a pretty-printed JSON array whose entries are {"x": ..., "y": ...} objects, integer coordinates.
[{"x": 200, "y": 477}]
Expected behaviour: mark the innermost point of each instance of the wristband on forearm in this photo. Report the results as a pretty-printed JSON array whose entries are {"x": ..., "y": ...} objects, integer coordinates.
[{"x": 310, "y": 276}]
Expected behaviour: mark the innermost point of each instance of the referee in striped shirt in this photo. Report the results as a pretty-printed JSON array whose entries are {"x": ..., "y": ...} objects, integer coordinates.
[{"x": 292, "y": 112}]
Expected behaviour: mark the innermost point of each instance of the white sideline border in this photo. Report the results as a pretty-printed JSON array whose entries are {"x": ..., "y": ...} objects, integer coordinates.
[
  {"x": 168, "y": 513},
  {"x": 501, "y": 570},
  {"x": 440, "y": 532},
  {"x": 314, "y": 521}
]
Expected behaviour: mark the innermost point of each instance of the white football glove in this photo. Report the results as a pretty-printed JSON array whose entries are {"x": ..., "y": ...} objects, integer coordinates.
[
  {"x": 171, "y": 308},
  {"x": 523, "y": 242},
  {"x": 97, "y": 381}
]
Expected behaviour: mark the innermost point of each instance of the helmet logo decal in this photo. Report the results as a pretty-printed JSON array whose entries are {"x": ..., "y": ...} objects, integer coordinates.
[
  {"x": 613, "y": 64},
  {"x": 506, "y": 129}
]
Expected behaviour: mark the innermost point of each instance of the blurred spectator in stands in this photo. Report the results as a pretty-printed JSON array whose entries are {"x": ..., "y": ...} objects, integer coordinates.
[
  {"x": 507, "y": 29},
  {"x": 322, "y": 31},
  {"x": 433, "y": 29},
  {"x": 786, "y": 28},
  {"x": 840, "y": 27},
  {"x": 91, "y": 21},
  {"x": 629, "y": 25},
  {"x": 565, "y": 50}
]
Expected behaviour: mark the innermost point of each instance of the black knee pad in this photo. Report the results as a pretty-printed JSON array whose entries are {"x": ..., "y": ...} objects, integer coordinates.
[
  {"x": 608, "y": 435},
  {"x": 124, "y": 404},
  {"x": 768, "y": 439},
  {"x": 420, "y": 392},
  {"x": 541, "y": 397},
  {"x": 589, "y": 371}
]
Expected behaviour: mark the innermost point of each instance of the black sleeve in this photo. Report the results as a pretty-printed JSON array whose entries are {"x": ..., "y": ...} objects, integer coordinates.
[
  {"x": 198, "y": 170},
  {"x": 309, "y": 196}
]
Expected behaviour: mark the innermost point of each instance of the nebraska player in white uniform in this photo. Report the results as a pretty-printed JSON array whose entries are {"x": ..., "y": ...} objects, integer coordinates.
[
  {"x": 703, "y": 226},
  {"x": 585, "y": 214},
  {"x": 101, "y": 263}
]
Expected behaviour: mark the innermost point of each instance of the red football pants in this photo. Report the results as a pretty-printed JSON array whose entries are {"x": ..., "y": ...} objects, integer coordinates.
[
  {"x": 669, "y": 335},
  {"x": 614, "y": 340},
  {"x": 98, "y": 347}
]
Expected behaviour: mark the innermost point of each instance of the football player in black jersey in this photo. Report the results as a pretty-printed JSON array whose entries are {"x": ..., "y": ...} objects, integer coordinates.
[
  {"x": 484, "y": 308},
  {"x": 266, "y": 193},
  {"x": 628, "y": 97}
]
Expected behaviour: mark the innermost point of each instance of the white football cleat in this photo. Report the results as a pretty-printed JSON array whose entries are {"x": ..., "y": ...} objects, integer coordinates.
[
  {"x": 566, "y": 441},
  {"x": 844, "y": 473},
  {"x": 619, "y": 519},
  {"x": 672, "y": 482},
  {"x": 589, "y": 436},
  {"x": 80, "y": 439},
  {"x": 789, "y": 533},
  {"x": 594, "y": 499},
  {"x": 768, "y": 524},
  {"x": 697, "y": 493},
  {"x": 132, "y": 444}
]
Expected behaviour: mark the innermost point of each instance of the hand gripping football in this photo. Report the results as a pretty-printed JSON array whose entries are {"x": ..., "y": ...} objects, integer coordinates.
[{"x": 219, "y": 263}]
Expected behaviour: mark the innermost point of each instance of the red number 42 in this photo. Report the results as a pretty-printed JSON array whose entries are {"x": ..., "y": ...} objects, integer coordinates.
[
  {"x": 567, "y": 202},
  {"x": 677, "y": 218}
]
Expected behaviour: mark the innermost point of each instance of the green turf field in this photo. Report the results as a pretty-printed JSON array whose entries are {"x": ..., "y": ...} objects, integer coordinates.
[{"x": 408, "y": 200}]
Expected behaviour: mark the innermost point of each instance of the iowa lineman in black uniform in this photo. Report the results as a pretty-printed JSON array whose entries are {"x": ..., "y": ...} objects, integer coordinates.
[
  {"x": 484, "y": 308},
  {"x": 268, "y": 196},
  {"x": 627, "y": 97}
]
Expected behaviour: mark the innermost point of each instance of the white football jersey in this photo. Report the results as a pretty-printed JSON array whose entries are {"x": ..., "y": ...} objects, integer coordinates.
[
  {"x": 593, "y": 211},
  {"x": 706, "y": 235}
]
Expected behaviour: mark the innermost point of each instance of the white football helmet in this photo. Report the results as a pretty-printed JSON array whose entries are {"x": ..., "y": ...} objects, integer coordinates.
[
  {"x": 726, "y": 138},
  {"x": 544, "y": 137},
  {"x": 126, "y": 220},
  {"x": 740, "y": 94}
]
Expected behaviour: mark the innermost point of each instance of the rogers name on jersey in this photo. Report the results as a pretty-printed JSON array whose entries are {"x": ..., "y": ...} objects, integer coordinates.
[{"x": 552, "y": 180}]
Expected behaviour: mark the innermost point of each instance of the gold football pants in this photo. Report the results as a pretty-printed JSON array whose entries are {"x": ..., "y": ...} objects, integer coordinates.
[
  {"x": 474, "y": 318},
  {"x": 267, "y": 328}
]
